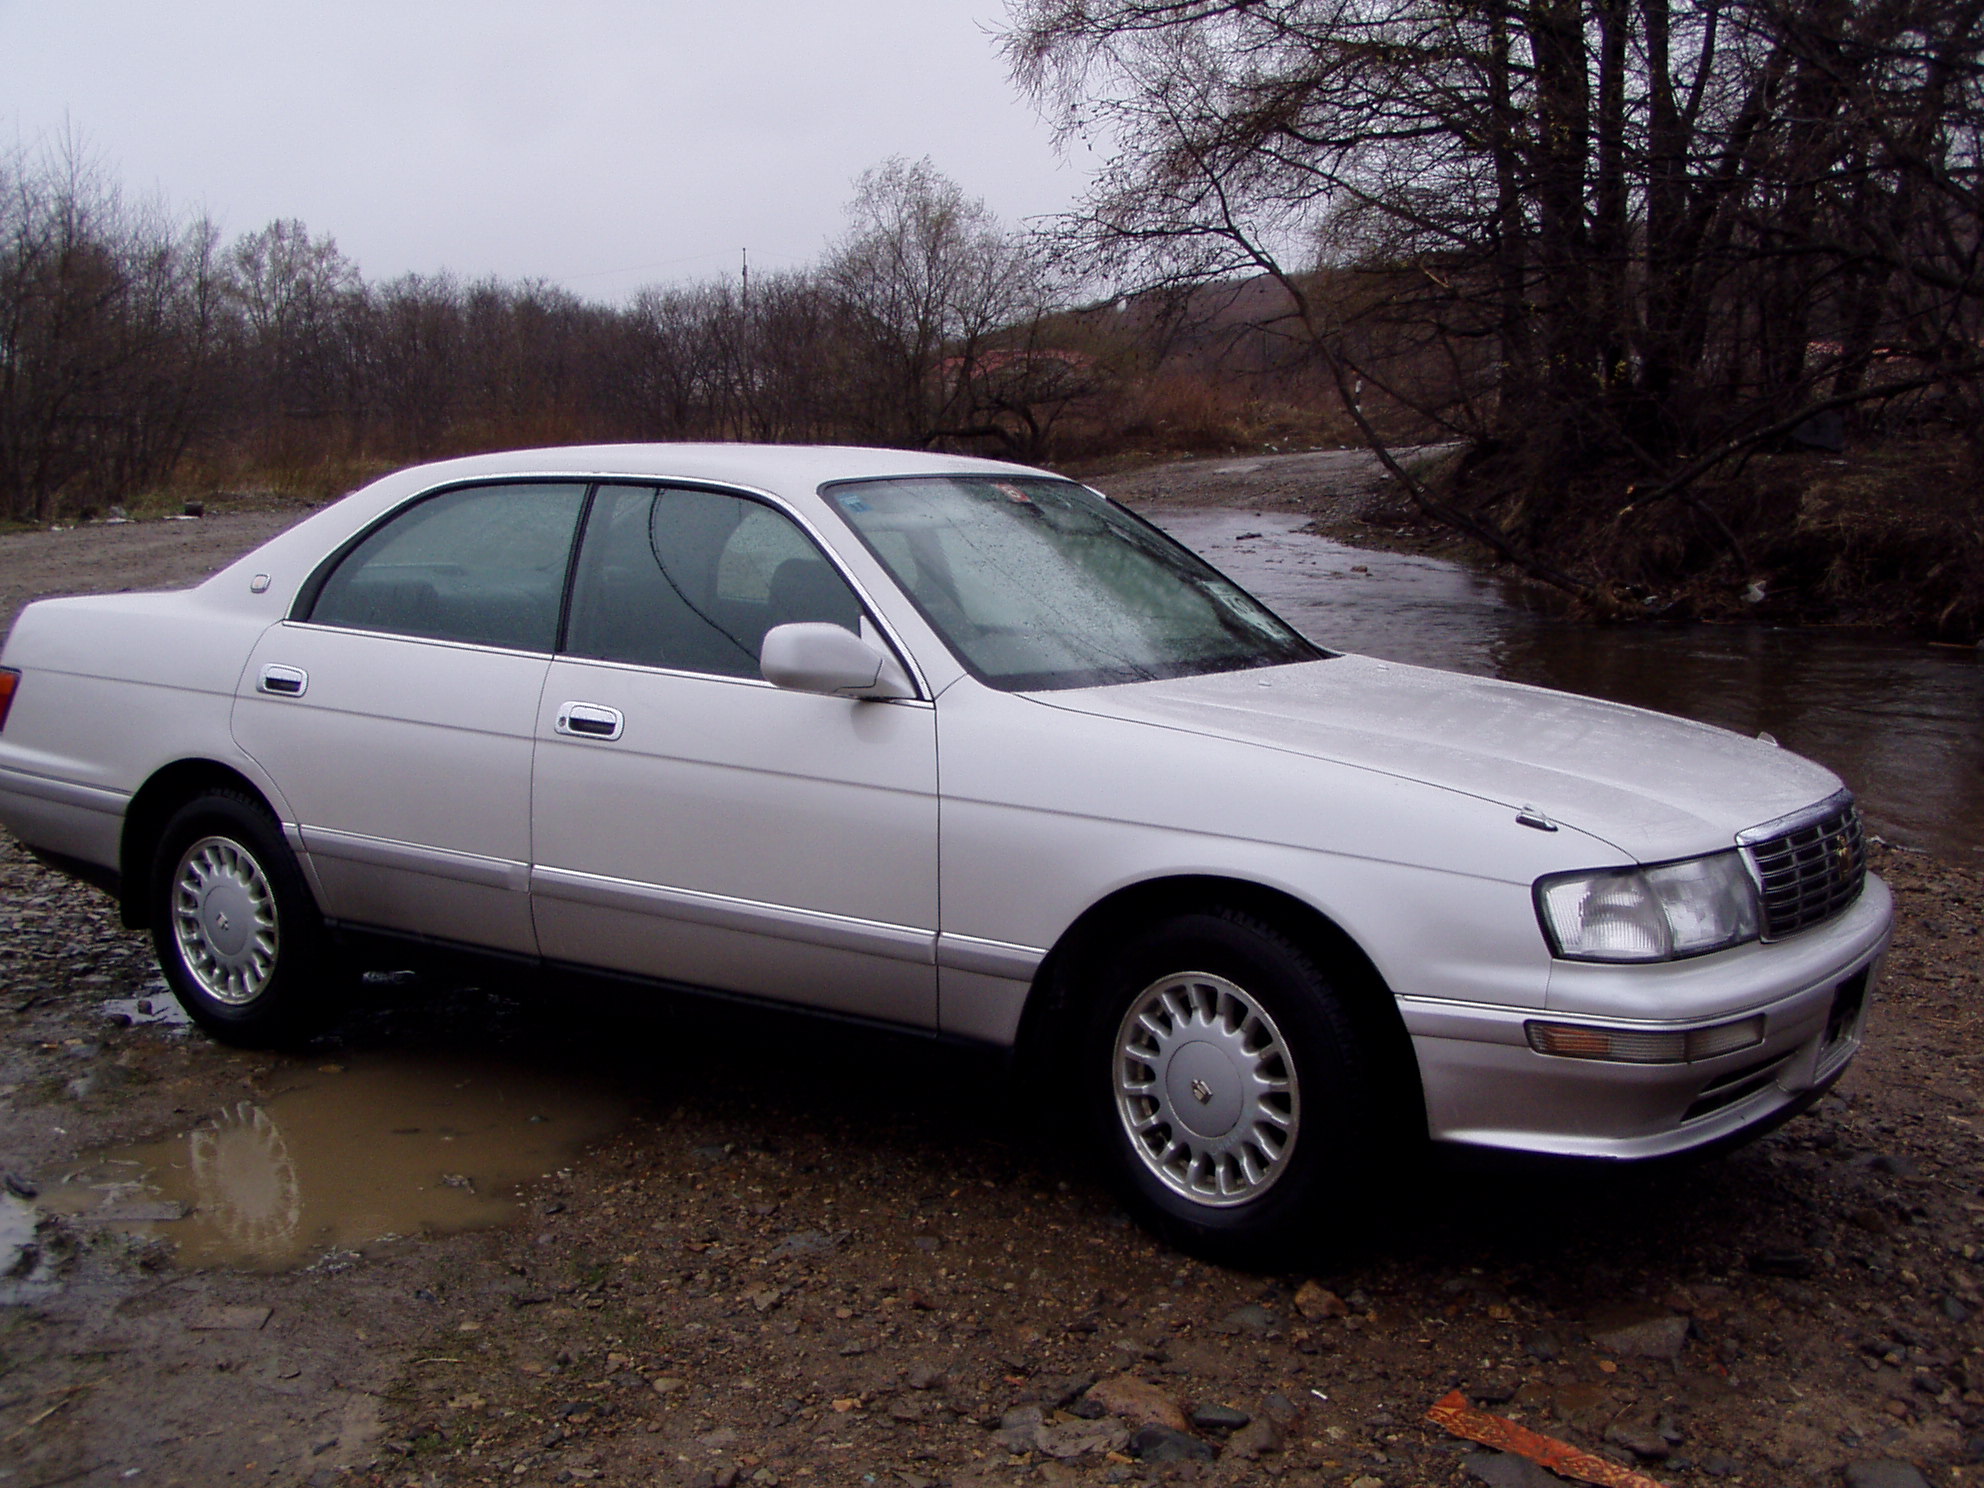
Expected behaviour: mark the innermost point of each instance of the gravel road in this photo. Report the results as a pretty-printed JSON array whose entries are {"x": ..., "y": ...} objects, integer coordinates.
[{"x": 807, "y": 1255}]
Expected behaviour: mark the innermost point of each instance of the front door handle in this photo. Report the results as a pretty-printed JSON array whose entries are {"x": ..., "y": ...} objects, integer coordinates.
[{"x": 588, "y": 721}]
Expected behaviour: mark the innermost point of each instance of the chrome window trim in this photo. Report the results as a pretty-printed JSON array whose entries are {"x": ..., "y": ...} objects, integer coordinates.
[
  {"x": 416, "y": 640},
  {"x": 565, "y": 659}
]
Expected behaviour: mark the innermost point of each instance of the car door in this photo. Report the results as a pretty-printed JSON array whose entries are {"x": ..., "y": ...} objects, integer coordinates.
[
  {"x": 694, "y": 823},
  {"x": 395, "y": 710}
]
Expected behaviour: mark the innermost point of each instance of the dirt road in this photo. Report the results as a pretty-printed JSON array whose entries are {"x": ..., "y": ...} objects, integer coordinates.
[{"x": 479, "y": 1236}]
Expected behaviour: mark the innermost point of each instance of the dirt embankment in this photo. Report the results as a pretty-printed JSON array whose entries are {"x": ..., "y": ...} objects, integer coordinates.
[{"x": 807, "y": 1255}]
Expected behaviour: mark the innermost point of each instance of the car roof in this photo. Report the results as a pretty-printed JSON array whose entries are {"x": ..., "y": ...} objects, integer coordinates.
[{"x": 788, "y": 469}]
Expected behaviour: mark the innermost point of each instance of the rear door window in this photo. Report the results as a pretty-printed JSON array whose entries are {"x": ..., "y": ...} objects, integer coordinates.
[{"x": 482, "y": 564}]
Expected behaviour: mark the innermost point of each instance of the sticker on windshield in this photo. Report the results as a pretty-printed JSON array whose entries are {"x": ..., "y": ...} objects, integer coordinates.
[
  {"x": 1012, "y": 493},
  {"x": 852, "y": 502}
]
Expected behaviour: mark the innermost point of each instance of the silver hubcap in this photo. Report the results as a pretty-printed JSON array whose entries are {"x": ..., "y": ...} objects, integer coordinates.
[
  {"x": 224, "y": 918},
  {"x": 1206, "y": 1089}
]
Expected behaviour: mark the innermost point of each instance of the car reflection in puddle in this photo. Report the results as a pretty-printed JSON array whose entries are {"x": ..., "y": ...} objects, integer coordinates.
[{"x": 394, "y": 1145}]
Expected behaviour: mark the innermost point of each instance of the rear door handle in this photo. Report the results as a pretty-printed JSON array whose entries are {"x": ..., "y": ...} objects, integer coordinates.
[
  {"x": 283, "y": 681},
  {"x": 589, "y": 721}
]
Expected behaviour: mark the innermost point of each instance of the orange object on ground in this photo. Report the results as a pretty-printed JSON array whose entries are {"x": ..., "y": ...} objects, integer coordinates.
[{"x": 1462, "y": 1419}]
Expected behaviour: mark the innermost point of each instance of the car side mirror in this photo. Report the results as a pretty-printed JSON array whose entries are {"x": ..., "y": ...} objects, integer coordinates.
[{"x": 813, "y": 656}]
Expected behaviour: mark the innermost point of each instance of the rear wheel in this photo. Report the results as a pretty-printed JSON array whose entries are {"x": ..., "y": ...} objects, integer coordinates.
[
  {"x": 237, "y": 933},
  {"x": 1233, "y": 1090}
]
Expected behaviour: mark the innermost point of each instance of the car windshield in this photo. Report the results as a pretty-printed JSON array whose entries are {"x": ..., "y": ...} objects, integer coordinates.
[{"x": 1039, "y": 583}]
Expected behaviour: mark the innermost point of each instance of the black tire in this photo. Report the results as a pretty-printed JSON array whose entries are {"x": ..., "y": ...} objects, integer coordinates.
[
  {"x": 238, "y": 935},
  {"x": 1271, "y": 1065}
]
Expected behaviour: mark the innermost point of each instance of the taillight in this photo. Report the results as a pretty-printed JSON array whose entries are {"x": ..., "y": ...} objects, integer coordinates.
[{"x": 9, "y": 681}]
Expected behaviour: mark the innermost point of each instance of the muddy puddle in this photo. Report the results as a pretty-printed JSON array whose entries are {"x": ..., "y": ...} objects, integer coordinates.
[
  {"x": 1902, "y": 722},
  {"x": 340, "y": 1156}
]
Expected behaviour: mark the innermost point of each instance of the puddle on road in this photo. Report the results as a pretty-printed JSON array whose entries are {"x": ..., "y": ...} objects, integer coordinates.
[
  {"x": 393, "y": 1145},
  {"x": 161, "y": 1007}
]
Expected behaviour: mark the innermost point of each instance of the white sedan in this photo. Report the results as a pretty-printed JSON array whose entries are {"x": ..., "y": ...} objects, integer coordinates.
[{"x": 961, "y": 746}]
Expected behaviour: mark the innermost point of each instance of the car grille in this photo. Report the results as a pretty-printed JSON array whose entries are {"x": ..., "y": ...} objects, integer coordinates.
[{"x": 1810, "y": 867}]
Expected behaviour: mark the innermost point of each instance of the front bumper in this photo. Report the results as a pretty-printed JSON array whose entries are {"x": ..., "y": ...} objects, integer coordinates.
[{"x": 1486, "y": 1087}]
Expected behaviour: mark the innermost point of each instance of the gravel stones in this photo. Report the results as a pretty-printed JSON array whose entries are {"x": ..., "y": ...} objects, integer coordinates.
[
  {"x": 1792, "y": 1265},
  {"x": 1884, "y": 1473},
  {"x": 1507, "y": 1470},
  {"x": 1161, "y": 1444}
]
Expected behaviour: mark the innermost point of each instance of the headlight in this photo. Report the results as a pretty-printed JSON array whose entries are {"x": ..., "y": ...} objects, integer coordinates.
[{"x": 1649, "y": 914}]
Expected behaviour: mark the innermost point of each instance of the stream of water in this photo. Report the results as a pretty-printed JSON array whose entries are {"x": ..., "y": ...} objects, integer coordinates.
[{"x": 1902, "y": 722}]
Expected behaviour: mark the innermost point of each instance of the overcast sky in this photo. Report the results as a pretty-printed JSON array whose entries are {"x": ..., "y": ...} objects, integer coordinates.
[{"x": 600, "y": 144}]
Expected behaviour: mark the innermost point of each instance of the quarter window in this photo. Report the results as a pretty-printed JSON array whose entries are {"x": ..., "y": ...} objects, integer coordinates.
[
  {"x": 692, "y": 580},
  {"x": 483, "y": 564}
]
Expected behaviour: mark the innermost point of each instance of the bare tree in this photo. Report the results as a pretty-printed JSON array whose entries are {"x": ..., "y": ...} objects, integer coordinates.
[
  {"x": 1586, "y": 236},
  {"x": 926, "y": 279}
]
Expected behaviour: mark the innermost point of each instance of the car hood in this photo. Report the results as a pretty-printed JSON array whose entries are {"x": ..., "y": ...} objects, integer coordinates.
[{"x": 1652, "y": 785}]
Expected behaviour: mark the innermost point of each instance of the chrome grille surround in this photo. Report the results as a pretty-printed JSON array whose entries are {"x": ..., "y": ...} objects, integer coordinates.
[{"x": 1810, "y": 865}]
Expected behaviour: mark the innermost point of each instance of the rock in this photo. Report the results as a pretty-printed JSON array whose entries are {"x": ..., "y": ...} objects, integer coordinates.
[
  {"x": 1543, "y": 1344},
  {"x": 666, "y": 1384},
  {"x": 1083, "y": 1438},
  {"x": 1639, "y": 1334},
  {"x": 1019, "y": 1430},
  {"x": 1506, "y": 1470},
  {"x": 1279, "y": 1409},
  {"x": 1219, "y": 1418},
  {"x": 1315, "y": 1302},
  {"x": 1162, "y": 1444},
  {"x": 1639, "y": 1438},
  {"x": 235, "y": 1318},
  {"x": 924, "y": 1377},
  {"x": 1794, "y": 1265},
  {"x": 1718, "y": 1466},
  {"x": 1026, "y": 1429},
  {"x": 1253, "y": 1318},
  {"x": 1884, "y": 1473},
  {"x": 1137, "y": 1401},
  {"x": 1252, "y": 1440},
  {"x": 1897, "y": 1164},
  {"x": 803, "y": 1243},
  {"x": 1054, "y": 1391}
]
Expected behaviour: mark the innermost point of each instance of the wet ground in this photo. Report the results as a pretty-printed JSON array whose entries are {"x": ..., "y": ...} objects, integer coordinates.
[{"x": 478, "y": 1236}]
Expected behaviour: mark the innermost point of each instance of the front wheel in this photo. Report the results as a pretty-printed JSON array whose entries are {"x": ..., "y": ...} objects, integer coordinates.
[
  {"x": 237, "y": 934},
  {"x": 1233, "y": 1089}
]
